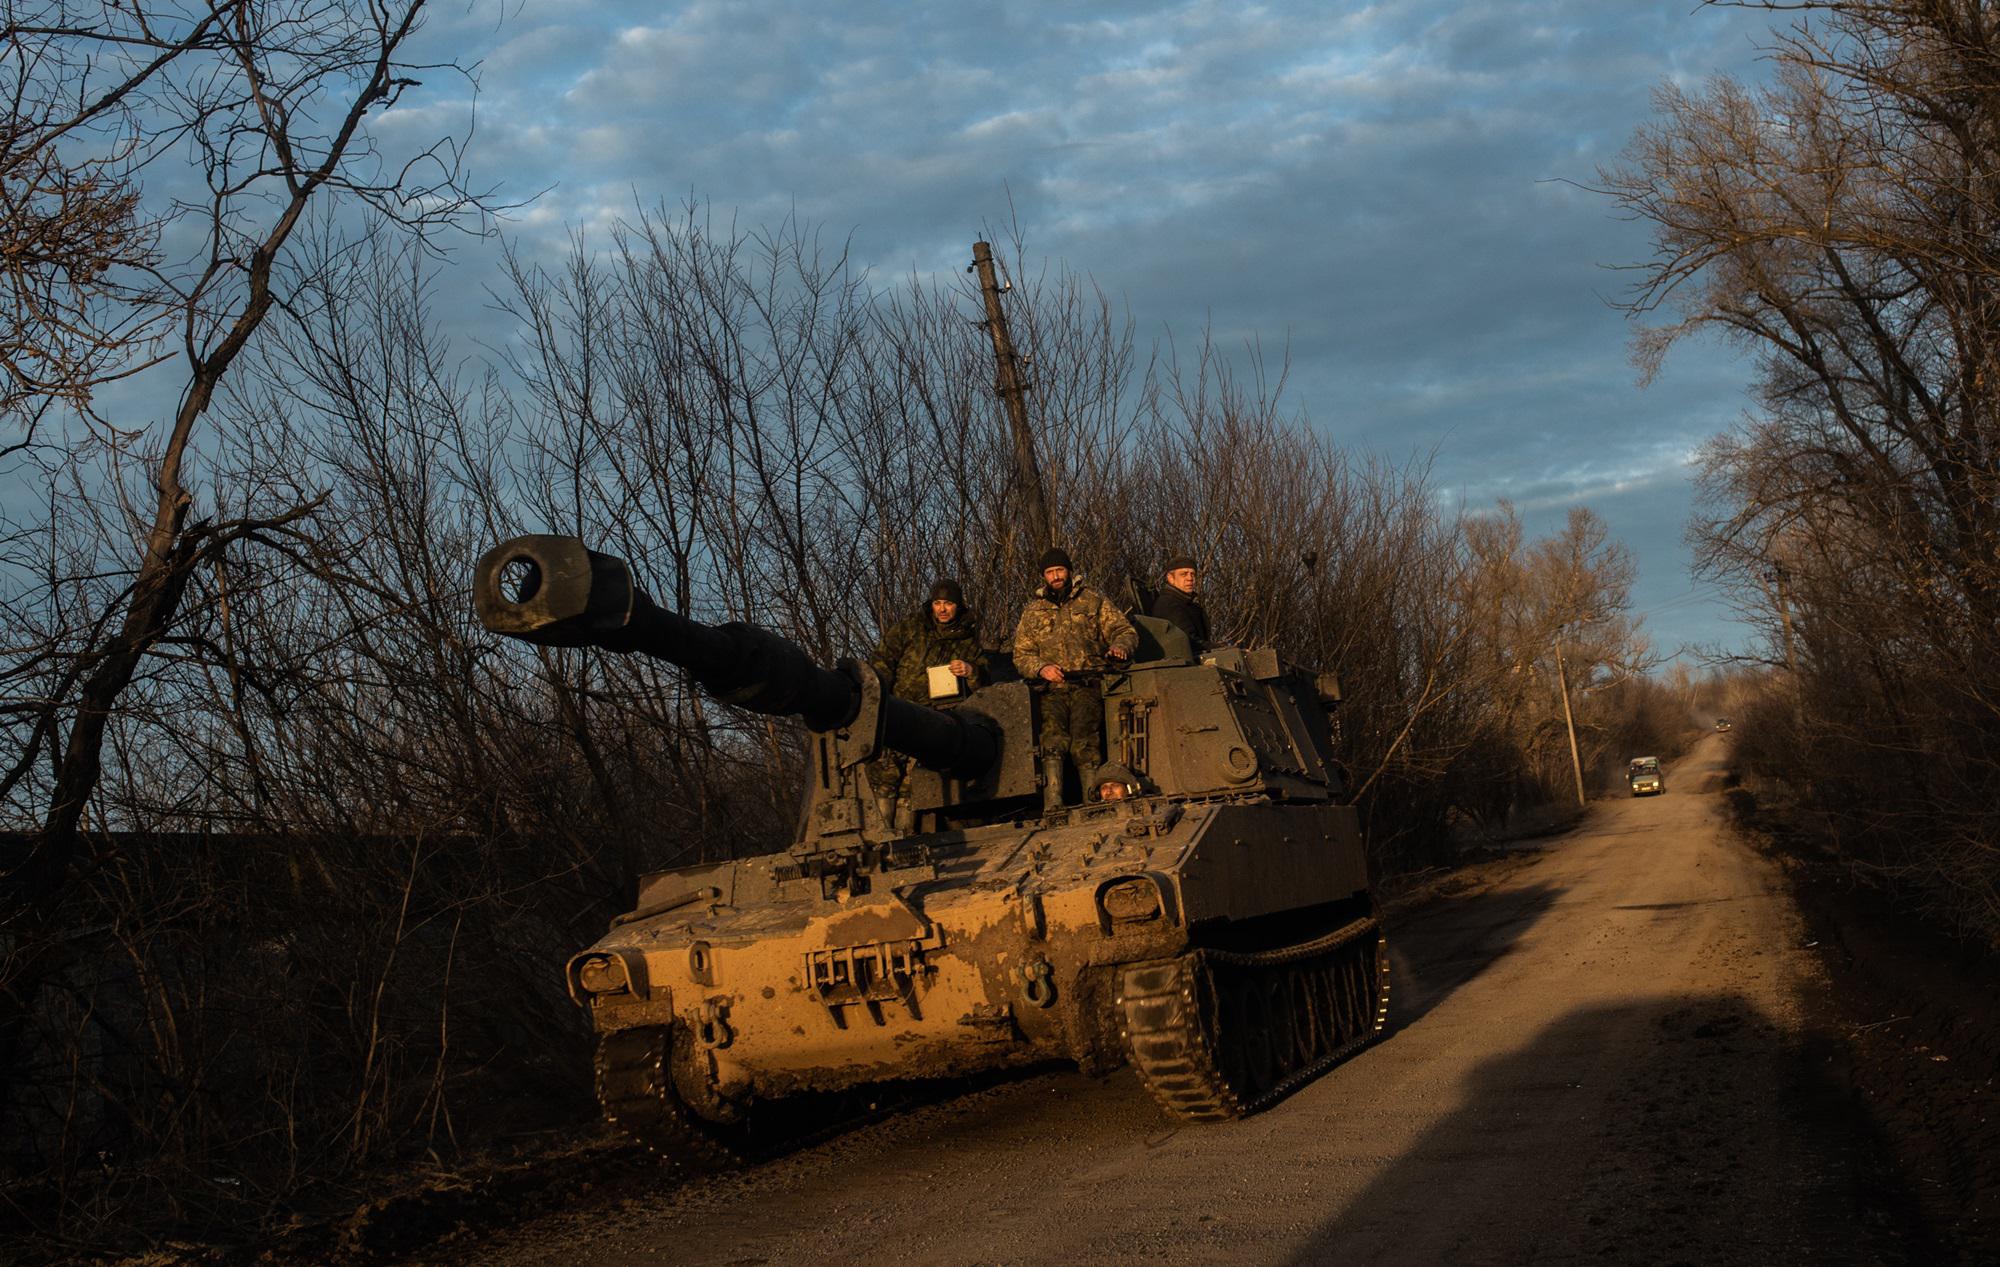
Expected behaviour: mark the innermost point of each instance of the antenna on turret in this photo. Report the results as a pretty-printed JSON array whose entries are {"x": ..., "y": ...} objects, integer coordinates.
[{"x": 1012, "y": 393}]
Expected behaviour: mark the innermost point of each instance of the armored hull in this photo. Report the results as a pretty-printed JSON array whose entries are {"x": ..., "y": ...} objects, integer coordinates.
[{"x": 1214, "y": 929}]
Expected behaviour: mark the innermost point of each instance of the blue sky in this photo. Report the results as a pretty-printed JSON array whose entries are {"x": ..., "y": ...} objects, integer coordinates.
[{"x": 1382, "y": 188}]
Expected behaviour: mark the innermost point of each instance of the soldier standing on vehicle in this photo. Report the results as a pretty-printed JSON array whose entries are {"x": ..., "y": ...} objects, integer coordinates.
[
  {"x": 944, "y": 634},
  {"x": 1176, "y": 603},
  {"x": 1067, "y": 636}
]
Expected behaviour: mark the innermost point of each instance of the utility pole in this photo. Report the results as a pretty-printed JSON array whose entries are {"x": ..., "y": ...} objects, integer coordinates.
[
  {"x": 1012, "y": 393},
  {"x": 1789, "y": 695},
  {"x": 1776, "y": 573},
  {"x": 1569, "y": 721}
]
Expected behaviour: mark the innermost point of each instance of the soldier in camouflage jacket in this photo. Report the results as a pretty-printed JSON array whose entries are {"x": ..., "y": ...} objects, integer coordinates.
[
  {"x": 944, "y": 632},
  {"x": 1069, "y": 628}
]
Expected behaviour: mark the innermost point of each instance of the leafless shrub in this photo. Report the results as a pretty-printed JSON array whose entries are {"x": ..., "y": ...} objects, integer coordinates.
[{"x": 268, "y": 107}]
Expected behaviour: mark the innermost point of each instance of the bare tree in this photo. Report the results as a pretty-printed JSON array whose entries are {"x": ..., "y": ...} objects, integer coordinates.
[
  {"x": 77, "y": 248},
  {"x": 1842, "y": 224},
  {"x": 268, "y": 106}
]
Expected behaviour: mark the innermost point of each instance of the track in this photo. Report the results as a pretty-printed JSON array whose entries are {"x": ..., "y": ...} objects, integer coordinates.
[
  {"x": 1217, "y": 1034},
  {"x": 636, "y": 1092}
]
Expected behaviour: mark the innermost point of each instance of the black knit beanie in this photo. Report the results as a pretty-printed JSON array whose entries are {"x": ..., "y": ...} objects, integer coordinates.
[
  {"x": 1056, "y": 557},
  {"x": 949, "y": 590}
]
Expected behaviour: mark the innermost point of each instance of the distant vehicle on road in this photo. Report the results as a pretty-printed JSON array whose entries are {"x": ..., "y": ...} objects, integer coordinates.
[
  {"x": 1722, "y": 723},
  {"x": 1643, "y": 774}
]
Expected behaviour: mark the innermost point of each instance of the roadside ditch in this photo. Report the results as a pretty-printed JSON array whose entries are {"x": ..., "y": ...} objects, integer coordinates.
[{"x": 1919, "y": 1014}]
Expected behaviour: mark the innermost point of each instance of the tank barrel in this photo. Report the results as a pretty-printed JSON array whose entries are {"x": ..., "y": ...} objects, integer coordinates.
[{"x": 554, "y": 591}]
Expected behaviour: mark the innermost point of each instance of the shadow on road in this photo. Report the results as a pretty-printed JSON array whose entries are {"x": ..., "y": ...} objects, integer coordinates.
[
  {"x": 1453, "y": 940},
  {"x": 1684, "y": 1131}
]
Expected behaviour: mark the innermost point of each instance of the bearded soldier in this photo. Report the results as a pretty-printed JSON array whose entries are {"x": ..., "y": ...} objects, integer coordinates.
[
  {"x": 943, "y": 634},
  {"x": 1067, "y": 636}
]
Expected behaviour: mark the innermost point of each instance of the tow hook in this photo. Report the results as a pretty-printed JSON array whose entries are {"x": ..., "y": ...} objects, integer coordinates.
[
  {"x": 712, "y": 1029},
  {"x": 1039, "y": 983}
]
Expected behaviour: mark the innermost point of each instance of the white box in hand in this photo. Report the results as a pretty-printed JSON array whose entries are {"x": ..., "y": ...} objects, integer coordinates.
[{"x": 944, "y": 683}]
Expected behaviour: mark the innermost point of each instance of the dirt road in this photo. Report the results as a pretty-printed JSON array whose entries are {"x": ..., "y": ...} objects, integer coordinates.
[{"x": 1604, "y": 1053}]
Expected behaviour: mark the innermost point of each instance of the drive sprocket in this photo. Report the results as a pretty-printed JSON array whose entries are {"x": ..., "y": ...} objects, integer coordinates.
[{"x": 635, "y": 1087}]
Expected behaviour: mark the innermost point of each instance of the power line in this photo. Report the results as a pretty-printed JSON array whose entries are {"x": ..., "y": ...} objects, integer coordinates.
[{"x": 1689, "y": 599}]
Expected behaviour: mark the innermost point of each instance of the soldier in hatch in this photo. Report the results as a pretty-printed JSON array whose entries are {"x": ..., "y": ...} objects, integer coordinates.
[
  {"x": 1176, "y": 602},
  {"x": 945, "y": 633},
  {"x": 1067, "y": 636},
  {"x": 1114, "y": 782}
]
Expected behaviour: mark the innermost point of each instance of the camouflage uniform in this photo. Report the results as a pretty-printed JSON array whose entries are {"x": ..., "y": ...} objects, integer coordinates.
[
  {"x": 908, "y": 650},
  {"x": 1074, "y": 634}
]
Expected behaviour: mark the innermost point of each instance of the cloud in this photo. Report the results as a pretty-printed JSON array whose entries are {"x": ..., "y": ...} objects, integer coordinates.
[{"x": 1391, "y": 191}]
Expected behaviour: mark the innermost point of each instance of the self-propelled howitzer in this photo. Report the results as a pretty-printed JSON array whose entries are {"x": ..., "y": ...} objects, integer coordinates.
[{"x": 1214, "y": 927}]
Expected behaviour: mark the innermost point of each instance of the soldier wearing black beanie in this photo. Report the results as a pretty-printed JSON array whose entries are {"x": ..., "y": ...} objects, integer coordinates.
[
  {"x": 1068, "y": 635},
  {"x": 1176, "y": 602},
  {"x": 944, "y": 632}
]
